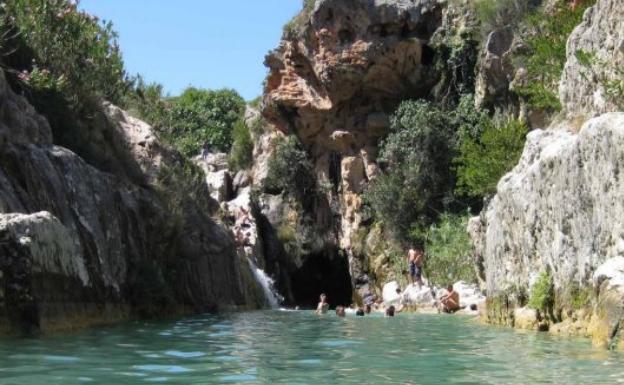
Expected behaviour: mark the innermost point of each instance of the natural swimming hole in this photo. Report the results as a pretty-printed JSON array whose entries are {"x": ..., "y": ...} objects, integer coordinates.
[{"x": 298, "y": 347}]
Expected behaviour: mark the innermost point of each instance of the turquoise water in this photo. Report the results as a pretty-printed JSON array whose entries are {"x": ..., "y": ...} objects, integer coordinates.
[{"x": 277, "y": 347}]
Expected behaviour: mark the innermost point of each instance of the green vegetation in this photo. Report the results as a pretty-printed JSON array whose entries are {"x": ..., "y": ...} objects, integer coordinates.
[
  {"x": 67, "y": 61},
  {"x": 542, "y": 294},
  {"x": 419, "y": 181},
  {"x": 291, "y": 170},
  {"x": 70, "y": 51},
  {"x": 494, "y": 14},
  {"x": 241, "y": 155},
  {"x": 438, "y": 163},
  {"x": 203, "y": 118},
  {"x": 449, "y": 251},
  {"x": 484, "y": 160},
  {"x": 545, "y": 55},
  {"x": 580, "y": 297}
]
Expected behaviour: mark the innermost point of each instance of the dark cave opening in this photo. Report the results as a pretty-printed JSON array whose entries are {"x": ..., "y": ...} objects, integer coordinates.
[{"x": 328, "y": 273}]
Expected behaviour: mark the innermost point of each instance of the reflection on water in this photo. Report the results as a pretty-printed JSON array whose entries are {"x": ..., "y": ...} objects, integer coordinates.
[{"x": 273, "y": 347}]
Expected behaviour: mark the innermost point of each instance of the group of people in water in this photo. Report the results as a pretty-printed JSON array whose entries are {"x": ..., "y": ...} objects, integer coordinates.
[{"x": 447, "y": 303}]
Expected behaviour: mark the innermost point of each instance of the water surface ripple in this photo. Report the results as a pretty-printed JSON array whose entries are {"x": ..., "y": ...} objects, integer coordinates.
[{"x": 279, "y": 347}]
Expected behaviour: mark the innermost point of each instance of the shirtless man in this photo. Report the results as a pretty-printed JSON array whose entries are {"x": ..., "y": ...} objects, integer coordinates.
[
  {"x": 323, "y": 306},
  {"x": 449, "y": 302},
  {"x": 415, "y": 259}
]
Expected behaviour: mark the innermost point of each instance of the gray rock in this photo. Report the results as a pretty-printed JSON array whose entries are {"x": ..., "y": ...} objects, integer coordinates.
[
  {"x": 560, "y": 209},
  {"x": 241, "y": 180},
  {"x": 112, "y": 241},
  {"x": 582, "y": 88}
]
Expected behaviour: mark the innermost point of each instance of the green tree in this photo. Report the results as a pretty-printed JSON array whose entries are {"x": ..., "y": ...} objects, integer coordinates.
[
  {"x": 545, "y": 54},
  {"x": 482, "y": 161},
  {"x": 241, "y": 155},
  {"x": 72, "y": 51},
  {"x": 449, "y": 251},
  {"x": 200, "y": 118},
  {"x": 418, "y": 181},
  {"x": 291, "y": 170}
]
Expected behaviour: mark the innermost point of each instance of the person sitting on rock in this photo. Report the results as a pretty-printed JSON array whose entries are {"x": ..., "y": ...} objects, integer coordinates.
[
  {"x": 449, "y": 302},
  {"x": 367, "y": 308},
  {"x": 323, "y": 306},
  {"x": 340, "y": 311}
]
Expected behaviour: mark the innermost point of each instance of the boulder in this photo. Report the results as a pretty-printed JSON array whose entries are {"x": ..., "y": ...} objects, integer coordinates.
[
  {"x": 525, "y": 318},
  {"x": 419, "y": 296},
  {"x": 219, "y": 185},
  {"x": 610, "y": 274},
  {"x": 389, "y": 293}
]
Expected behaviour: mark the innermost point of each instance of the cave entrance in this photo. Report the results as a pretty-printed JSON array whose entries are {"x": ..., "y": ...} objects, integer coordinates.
[{"x": 326, "y": 272}]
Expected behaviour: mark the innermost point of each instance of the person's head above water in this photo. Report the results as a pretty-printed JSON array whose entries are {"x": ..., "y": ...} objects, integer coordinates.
[
  {"x": 340, "y": 311},
  {"x": 390, "y": 311},
  {"x": 360, "y": 312}
]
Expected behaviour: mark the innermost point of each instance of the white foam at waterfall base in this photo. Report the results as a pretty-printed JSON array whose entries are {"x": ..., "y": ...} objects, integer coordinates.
[{"x": 271, "y": 296}]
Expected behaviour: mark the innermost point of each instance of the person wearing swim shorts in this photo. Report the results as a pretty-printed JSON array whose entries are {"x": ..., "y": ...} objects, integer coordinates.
[{"x": 415, "y": 259}]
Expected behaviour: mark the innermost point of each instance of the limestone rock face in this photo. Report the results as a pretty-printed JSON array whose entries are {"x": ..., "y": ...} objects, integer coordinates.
[
  {"x": 601, "y": 35},
  {"x": 495, "y": 68},
  {"x": 559, "y": 209},
  {"x": 331, "y": 82},
  {"x": 91, "y": 238}
]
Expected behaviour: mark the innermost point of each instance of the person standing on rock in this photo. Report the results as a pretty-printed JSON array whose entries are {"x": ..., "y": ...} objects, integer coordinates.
[{"x": 415, "y": 258}]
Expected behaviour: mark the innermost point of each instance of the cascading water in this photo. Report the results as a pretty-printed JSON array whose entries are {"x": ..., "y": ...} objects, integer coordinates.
[{"x": 271, "y": 296}]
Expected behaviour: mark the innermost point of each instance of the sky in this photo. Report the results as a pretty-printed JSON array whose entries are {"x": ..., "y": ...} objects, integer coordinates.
[{"x": 205, "y": 43}]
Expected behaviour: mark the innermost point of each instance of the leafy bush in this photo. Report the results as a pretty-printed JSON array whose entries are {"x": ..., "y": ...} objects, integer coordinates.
[
  {"x": 203, "y": 118},
  {"x": 449, "y": 251},
  {"x": 241, "y": 155},
  {"x": 147, "y": 102},
  {"x": 291, "y": 170},
  {"x": 542, "y": 295},
  {"x": 484, "y": 160},
  {"x": 580, "y": 297},
  {"x": 70, "y": 47},
  {"x": 495, "y": 14},
  {"x": 545, "y": 56},
  {"x": 418, "y": 181}
]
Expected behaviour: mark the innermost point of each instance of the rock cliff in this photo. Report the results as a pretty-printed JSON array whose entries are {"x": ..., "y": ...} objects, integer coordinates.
[
  {"x": 96, "y": 239},
  {"x": 340, "y": 71},
  {"x": 595, "y": 59},
  {"x": 559, "y": 211}
]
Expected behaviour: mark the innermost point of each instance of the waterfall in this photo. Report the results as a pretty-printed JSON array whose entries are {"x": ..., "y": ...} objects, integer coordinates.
[{"x": 271, "y": 297}]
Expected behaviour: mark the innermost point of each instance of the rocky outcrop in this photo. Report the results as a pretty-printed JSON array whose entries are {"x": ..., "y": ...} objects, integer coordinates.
[
  {"x": 558, "y": 211},
  {"x": 559, "y": 207},
  {"x": 495, "y": 69},
  {"x": 83, "y": 245},
  {"x": 595, "y": 59},
  {"x": 340, "y": 71}
]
